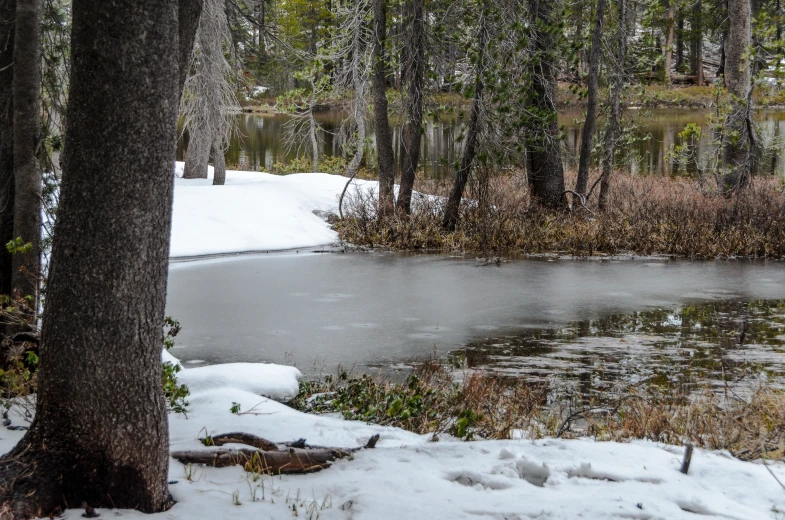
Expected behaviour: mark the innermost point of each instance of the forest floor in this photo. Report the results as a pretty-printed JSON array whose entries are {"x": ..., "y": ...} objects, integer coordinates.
[{"x": 408, "y": 476}]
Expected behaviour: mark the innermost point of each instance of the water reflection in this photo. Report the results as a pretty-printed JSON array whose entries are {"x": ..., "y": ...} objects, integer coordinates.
[
  {"x": 261, "y": 142},
  {"x": 730, "y": 345}
]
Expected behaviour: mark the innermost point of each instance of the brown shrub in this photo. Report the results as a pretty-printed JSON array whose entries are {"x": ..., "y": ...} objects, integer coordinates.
[{"x": 648, "y": 216}]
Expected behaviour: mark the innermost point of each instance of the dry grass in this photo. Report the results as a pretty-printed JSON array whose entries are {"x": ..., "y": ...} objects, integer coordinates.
[
  {"x": 648, "y": 216},
  {"x": 484, "y": 406}
]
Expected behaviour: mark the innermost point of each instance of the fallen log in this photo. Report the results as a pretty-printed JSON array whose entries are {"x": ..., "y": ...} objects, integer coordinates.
[
  {"x": 283, "y": 462},
  {"x": 240, "y": 438},
  {"x": 291, "y": 458}
]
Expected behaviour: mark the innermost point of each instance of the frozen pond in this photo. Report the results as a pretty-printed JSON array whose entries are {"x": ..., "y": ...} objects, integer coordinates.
[{"x": 378, "y": 310}]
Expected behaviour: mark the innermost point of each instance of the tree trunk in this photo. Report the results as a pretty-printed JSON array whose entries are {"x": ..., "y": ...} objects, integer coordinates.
[
  {"x": 384, "y": 145},
  {"x": 738, "y": 139},
  {"x": 546, "y": 175},
  {"x": 680, "y": 41},
  {"x": 219, "y": 162},
  {"x": 7, "y": 29},
  {"x": 100, "y": 432},
  {"x": 359, "y": 86},
  {"x": 197, "y": 156},
  {"x": 27, "y": 142},
  {"x": 615, "y": 116},
  {"x": 697, "y": 34},
  {"x": 189, "y": 12},
  {"x": 591, "y": 102},
  {"x": 578, "y": 38},
  {"x": 669, "y": 15},
  {"x": 312, "y": 130},
  {"x": 416, "y": 77},
  {"x": 452, "y": 210}
]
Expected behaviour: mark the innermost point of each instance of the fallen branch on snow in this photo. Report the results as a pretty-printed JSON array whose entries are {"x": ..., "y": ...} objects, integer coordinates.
[{"x": 268, "y": 457}]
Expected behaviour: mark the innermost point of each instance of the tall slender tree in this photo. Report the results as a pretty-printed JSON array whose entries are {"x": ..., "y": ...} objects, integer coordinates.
[
  {"x": 384, "y": 147},
  {"x": 697, "y": 42},
  {"x": 188, "y": 14},
  {"x": 669, "y": 31},
  {"x": 415, "y": 76},
  {"x": 738, "y": 141},
  {"x": 7, "y": 184},
  {"x": 100, "y": 431},
  {"x": 591, "y": 102},
  {"x": 614, "y": 121},
  {"x": 545, "y": 169},
  {"x": 452, "y": 209},
  {"x": 27, "y": 145}
]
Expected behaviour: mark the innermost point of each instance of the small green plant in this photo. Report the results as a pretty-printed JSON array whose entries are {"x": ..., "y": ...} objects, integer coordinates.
[
  {"x": 235, "y": 409},
  {"x": 175, "y": 393},
  {"x": 18, "y": 246},
  {"x": 190, "y": 472}
]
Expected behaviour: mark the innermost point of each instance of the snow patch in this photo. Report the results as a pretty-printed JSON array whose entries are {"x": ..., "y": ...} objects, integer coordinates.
[
  {"x": 254, "y": 211},
  {"x": 274, "y": 381}
]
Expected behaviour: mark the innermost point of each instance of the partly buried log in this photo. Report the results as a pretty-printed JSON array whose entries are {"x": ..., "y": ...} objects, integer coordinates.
[
  {"x": 268, "y": 457},
  {"x": 680, "y": 79}
]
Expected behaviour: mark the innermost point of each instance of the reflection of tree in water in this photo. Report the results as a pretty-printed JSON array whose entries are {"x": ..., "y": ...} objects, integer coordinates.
[{"x": 720, "y": 343}]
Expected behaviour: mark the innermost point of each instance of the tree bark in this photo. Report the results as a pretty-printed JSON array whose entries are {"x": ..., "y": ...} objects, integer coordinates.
[
  {"x": 100, "y": 432},
  {"x": 669, "y": 16},
  {"x": 219, "y": 163},
  {"x": 197, "y": 156},
  {"x": 591, "y": 102},
  {"x": 738, "y": 138},
  {"x": 615, "y": 116},
  {"x": 188, "y": 15},
  {"x": 680, "y": 41},
  {"x": 415, "y": 76},
  {"x": 384, "y": 147},
  {"x": 578, "y": 38},
  {"x": 697, "y": 34},
  {"x": 452, "y": 209},
  {"x": 7, "y": 183},
  {"x": 546, "y": 172},
  {"x": 27, "y": 142}
]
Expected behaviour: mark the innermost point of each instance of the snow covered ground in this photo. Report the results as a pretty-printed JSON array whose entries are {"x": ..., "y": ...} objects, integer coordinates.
[
  {"x": 407, "y": 477},
  {"x": 253, "y": 212}
]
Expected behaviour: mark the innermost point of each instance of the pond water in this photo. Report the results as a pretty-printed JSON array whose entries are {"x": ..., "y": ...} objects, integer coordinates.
[
  {"x": 261, "y": 142},
  {"x": 594, "y": 323}
]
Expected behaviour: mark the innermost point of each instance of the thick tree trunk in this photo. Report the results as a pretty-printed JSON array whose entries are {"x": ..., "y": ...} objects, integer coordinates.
[
  {"x": 27, "y": 141},
  {"x": 669, "y": 16},
  {"x": 591, "y": 102},
  {"x": 384, "y": 147},
  {"x": 197, "y": 156},
  {"x": 416, "y": 77},
  {"x": 7, "y": 29},
  {"x": 100, "y": 433},
  {"x": 615, "y": 116},
  {"x": 546, "y": 172},
  {"x": 189, "y": 12},
  {"x": 452, "y": 210},
  {"x": 738, "y": 139}
]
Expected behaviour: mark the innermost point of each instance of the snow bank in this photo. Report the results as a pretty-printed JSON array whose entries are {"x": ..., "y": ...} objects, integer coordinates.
[
  {"x": 253, "y": 212},
  {"x": 275, "y": 381},
  {"x": 407, "y": 477}
]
